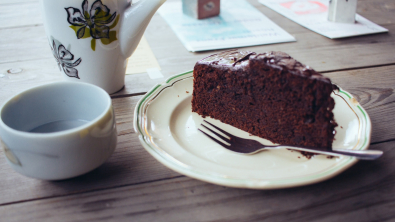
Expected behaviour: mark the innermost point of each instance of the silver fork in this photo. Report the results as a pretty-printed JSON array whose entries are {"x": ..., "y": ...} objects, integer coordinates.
[{"x": 248, "y": 146}]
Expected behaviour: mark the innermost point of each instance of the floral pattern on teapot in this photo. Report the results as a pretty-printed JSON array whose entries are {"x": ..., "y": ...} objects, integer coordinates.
[
  {"x": 96, "y": 22},
  {"x": 65, "y": 60}
]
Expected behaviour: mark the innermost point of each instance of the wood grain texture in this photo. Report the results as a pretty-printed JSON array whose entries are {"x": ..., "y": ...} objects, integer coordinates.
[
  {"x": 133, "y": 186},
  {"x": 29, "y": 74},
  {"x": 374, "y": 89},
  {"x": 25, "y": 45},
  {"x": 321, "y": 53},
  {"x": 131, "y": 164},
  {"x": 13, "y": 2},
  {"x": 365, "y": 192},
  {"x": 27, "y": 12},
  {"x": 20, "y": 14},
  {"x": 370, "y": 9}
]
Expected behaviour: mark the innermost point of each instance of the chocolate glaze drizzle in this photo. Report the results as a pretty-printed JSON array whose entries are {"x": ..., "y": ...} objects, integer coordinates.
[{"x": 235, "y": 59}]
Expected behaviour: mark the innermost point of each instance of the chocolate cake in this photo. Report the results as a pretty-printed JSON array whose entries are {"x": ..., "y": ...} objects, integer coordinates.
[{"x": 270, "y": 95}]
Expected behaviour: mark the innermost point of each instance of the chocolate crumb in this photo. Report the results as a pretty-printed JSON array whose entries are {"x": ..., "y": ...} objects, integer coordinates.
[{"x": 308, "y": 155}]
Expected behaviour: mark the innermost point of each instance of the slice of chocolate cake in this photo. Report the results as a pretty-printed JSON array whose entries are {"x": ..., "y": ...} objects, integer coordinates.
[{"x": 269, "y": 95}]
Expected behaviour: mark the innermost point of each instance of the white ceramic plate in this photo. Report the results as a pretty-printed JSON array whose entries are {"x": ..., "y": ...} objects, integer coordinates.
[{"x": 167, "y": 129}]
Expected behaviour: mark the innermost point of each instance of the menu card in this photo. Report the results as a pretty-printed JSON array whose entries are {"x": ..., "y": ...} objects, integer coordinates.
[
  {"x": 239, "y": 24},
  {"x": 314, "y": 16}
]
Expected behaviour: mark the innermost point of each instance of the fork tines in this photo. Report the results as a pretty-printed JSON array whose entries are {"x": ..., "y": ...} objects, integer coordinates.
[{"x": 217, "y": 134}]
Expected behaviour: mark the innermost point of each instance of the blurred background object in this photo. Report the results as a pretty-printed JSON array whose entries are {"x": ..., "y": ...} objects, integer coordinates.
[
  {"x": 342, "y": 11},
  {"x": 200, "y": 9}
]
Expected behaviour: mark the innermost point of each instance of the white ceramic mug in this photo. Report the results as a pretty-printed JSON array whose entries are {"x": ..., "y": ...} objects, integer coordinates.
[
  {"x": 92, "y": 39},
  {"x": 58, "y": 131}
]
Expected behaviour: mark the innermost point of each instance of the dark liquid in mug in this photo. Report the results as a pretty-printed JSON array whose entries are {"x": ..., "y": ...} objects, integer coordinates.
[{"x": 58, "y": 126}]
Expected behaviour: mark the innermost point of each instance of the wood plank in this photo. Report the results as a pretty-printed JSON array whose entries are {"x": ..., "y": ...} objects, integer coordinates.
[
  {"x": 9, "y": 2},
  {"x": 35, "y": 57},
  {"x": 23, "y": 44},
  {"x": 319, "y": 52},
  {"x": 365, "y": 192},
  {"x": 132, "y": 185},
  {"x": 20, "y": 14},
  {"x": 374, "y": 89},
  {"x": 17, "y": 13},
  {"x": 19, "y": 76},
  {"x": 131, "y": 164},
  {"x": 379, "y": 12}
]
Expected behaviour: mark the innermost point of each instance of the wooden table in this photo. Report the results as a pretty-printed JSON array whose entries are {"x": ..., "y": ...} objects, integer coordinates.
[{"x": 133, "y": 186}]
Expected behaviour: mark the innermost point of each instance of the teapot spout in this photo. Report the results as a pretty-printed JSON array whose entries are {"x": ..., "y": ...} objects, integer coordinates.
[{"x": 135, "y": 21}]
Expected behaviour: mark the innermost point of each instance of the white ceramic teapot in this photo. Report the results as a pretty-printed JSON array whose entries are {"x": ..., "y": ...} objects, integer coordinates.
[{"x": 92, "y": 39}]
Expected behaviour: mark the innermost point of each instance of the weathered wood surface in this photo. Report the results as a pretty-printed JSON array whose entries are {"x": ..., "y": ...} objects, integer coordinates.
[
  {"x": 27, "y": 12},
  {"x": 132, "y": 185},
  {"x": 20, "y": 14},
  {"x": 131, "y": 164},
  {"x": 365, "y": 192},
  {"x": 374, "y": 88},
  {"x": 26, "y": 46},
  {"x": 11, "y": 2}
]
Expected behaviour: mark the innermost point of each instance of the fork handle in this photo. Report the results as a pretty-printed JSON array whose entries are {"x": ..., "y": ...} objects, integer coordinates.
[{"x": 359, "y": 154}]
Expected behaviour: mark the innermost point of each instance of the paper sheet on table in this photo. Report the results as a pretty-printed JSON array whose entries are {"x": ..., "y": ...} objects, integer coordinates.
[
  {"x": 314, "y": 16},
  {"x": 143, "y": 60},
  {"x": 239, "y": 24}
]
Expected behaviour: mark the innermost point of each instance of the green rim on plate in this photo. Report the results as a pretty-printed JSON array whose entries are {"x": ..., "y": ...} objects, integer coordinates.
[{"x": 183, "y": 168}]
